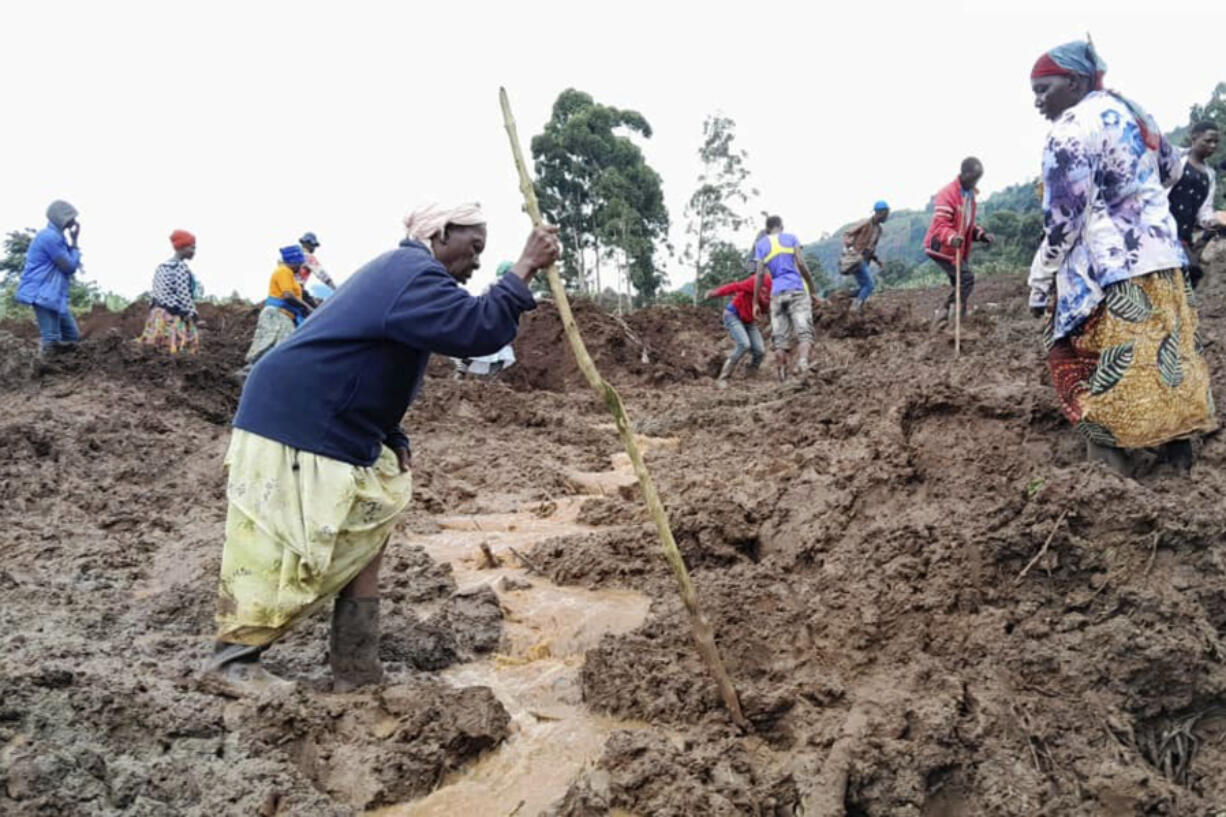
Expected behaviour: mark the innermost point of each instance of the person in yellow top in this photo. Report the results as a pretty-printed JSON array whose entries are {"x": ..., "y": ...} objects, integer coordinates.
[{"x": 285, "y": 307}]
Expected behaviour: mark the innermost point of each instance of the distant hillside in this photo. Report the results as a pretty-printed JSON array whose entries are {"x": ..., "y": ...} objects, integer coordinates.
[
  {"x": 1012, "y": 215},
  {"x": 902, "y": 241}
]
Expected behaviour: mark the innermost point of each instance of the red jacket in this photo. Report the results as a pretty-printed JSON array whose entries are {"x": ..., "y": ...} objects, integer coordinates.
[
  {"x": 948, "y": 220},
  {"x": 743, "y": 296}
]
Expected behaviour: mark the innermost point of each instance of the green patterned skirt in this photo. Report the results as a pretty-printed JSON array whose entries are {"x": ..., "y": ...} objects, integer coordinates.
[{"x": 1132, "y": 375}]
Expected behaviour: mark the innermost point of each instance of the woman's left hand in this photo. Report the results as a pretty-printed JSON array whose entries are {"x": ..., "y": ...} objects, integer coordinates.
[{"x": 404, "y": 458}]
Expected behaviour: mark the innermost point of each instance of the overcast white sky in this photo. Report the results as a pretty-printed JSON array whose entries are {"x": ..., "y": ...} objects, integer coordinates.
[{"x": 250, "y": 122}]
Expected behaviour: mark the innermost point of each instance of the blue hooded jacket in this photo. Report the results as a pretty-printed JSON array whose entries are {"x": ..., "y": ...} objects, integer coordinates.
[{"x": 50, "y": 263}]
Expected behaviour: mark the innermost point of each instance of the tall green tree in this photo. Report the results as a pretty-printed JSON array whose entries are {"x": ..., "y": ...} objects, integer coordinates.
[
  {"x": 713, "y": 208},
  {"x": 594, "y": 183},
  {"x": 16, "y": 245},
  {"x": 633, "y": 219}
]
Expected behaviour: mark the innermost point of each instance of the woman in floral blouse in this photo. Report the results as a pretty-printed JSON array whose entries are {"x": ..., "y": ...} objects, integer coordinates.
[
  {"x": 1123, "y": 350},
  {"x": 172, "y": 317}
]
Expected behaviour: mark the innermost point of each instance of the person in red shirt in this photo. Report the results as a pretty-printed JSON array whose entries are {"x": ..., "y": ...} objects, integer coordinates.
[
  {"x": 738, "y": 320},
  {"x": 952, "y": 231}
]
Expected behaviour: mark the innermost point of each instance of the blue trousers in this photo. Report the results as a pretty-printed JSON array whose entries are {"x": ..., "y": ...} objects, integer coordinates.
[
  {"x": 56, "y": 327},
  {"x": 747, "y": 339},
  {"x": 865, "y": 280}
]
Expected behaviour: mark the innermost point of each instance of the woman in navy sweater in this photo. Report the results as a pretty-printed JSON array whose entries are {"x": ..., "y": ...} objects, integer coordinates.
[{"x": 318, "y": 463}]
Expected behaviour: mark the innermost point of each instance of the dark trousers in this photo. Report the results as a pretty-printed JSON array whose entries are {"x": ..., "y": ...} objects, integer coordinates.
[
  {"x": 1195, "y": 274},
  {"x": 968, "y": 282}
]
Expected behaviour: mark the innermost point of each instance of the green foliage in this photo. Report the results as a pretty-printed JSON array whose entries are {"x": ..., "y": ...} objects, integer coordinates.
[
  {"x": 724, "y": 264},
  {"x": 894, "y": 272},
  {"x": 1018, "y": 198},
  {"x": 712, "y": 208},
  {"x": 1017, "y": 233},
  {"x": 678, "y": 297},
  {"x": 16, "y": 244},
  {"x": 1033, "y": 487},
  {"x": 593, "y": 182}
]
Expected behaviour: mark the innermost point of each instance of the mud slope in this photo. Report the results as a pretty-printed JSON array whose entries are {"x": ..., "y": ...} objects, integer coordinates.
[
  {"x": 864, "y": 542},
  {"x": 860, "y": 542}
]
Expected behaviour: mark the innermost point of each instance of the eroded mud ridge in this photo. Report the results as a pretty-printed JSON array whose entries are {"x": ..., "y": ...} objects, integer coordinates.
[{"x": 864, "y": 542}]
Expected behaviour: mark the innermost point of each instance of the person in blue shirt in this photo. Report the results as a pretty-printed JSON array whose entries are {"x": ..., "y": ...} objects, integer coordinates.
[
  {"x": 51, "y": 260},
  {"x": 319, "y": 467},
  {"x": 792, "y": 295}
]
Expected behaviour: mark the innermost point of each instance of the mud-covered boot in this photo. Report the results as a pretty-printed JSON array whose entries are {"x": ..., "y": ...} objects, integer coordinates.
[
  {"x": 354, "y": 647},
  {"x": 235, "y": 670},
  {"x": 1179, "y": 454},
  {"x": 1117, "y": 459},
  {"x": 942, "y": 317},
  {"x": 721, "y": 382}
]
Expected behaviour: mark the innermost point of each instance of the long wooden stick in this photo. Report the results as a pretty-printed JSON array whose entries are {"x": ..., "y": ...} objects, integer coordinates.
[
  {"x": 704, "y": 636},
  {"x": 1042, "y": 550},
  {"x": 957, "y": 302}
]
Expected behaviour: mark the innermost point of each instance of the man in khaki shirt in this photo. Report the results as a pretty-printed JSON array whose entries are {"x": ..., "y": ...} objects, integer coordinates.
[{"x": 860, "y": 248}]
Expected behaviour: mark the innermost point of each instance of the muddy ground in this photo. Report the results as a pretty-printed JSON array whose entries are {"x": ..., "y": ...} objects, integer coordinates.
[{"x": 862, "y": 540}]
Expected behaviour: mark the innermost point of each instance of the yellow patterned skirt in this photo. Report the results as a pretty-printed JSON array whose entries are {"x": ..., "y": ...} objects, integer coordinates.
[
  {"x": 1132, "y": 375},
  {"x": 174, "y": 333},
  {"x": 298, "y": 529}
]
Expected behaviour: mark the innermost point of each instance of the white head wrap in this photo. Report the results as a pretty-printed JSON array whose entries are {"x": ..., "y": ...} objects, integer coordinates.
[{"x": 426, "y": 222}]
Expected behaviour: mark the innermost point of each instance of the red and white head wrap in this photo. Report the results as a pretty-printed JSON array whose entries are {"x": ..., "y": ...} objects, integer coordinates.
[{"x": 1077, "y": 58}]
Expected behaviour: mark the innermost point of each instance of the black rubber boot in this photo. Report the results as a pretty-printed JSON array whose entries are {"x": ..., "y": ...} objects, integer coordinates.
[
  {"x": 354, "y": 647},
  {"x": 1179, "y": 454}
]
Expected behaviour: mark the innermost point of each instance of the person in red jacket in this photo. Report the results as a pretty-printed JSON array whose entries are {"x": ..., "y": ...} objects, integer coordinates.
[
  {"x": 738, "y": 320},
  {"x": 953, "y": 228}
]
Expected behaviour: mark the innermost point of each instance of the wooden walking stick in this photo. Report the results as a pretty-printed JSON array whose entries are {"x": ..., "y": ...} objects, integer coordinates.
[
  {"x": 957, "y": 302},
  {"x": 704, "y": 637}
]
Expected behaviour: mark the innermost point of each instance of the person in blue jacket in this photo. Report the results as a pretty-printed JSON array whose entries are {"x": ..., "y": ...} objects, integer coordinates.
[
  {"x": 51, "y": 261},
  {"x": 318, "y": 462}
]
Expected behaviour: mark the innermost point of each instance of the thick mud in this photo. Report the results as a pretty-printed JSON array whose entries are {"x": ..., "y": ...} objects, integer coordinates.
[{"x": 930, "y": 604}]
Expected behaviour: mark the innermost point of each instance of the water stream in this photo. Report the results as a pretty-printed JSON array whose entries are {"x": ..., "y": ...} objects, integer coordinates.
[{"x": 547, "y": 630}]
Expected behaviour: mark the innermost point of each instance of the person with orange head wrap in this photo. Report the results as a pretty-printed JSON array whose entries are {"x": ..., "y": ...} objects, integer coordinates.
[{"x": 171, "y": 324}]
